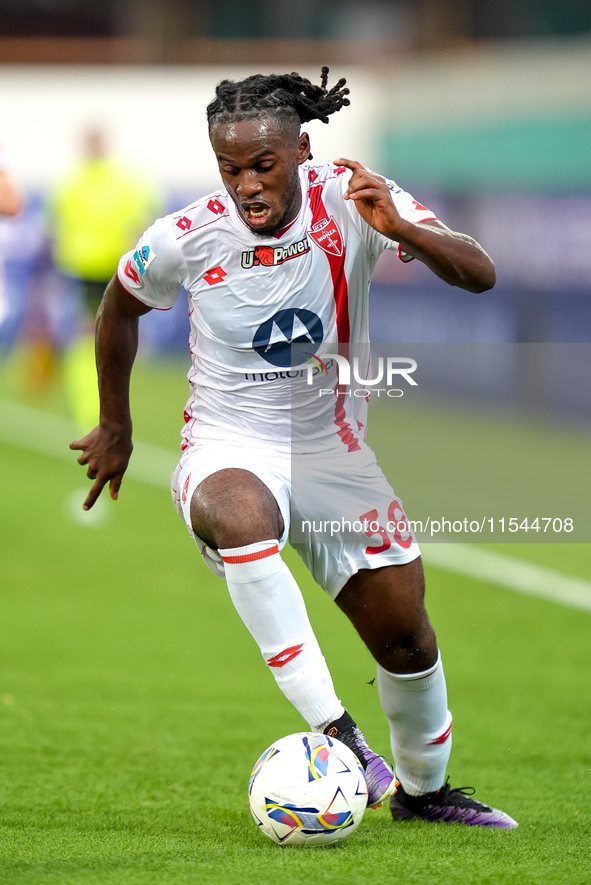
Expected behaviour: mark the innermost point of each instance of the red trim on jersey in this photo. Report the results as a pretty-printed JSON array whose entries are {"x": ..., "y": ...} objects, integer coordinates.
[
  {"x": 193, "y": 206},
  {"x": 347, "y": 436},
  {"x": 442, "y": 737},
  {"x": 341, "y": 297},
  {"x": 201, "y": 226},
  {"x": 337, "y": 268},
  {"x": 133, "y": 295},
  {"x": 284, "y": 230},
  {"x": 252, "y": 557},
  {"x": 275, "y": 236}
]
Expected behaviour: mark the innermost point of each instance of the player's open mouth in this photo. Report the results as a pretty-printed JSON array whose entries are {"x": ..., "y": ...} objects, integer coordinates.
[{"x": 257, "y": 214}]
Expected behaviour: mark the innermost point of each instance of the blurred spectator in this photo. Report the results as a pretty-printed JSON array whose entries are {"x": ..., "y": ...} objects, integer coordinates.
[
  {"x": 10, "y": 204},
  {"x": 95, "y": 213}
]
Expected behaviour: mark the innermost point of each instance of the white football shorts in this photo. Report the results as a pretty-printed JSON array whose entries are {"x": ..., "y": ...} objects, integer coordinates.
[{"x": 339, "y": 511}]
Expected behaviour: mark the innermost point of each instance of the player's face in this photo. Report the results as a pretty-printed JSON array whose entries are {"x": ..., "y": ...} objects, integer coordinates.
[{"x": 258, "y": 162}]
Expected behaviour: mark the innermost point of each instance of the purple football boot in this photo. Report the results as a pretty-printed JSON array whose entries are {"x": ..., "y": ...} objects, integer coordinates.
[
  {"x": 448, "y": 806},
  {"x": 378, "y": 774}
]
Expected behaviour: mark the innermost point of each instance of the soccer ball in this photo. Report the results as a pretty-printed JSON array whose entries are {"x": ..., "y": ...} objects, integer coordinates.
[{"x": 307, "y": 789}]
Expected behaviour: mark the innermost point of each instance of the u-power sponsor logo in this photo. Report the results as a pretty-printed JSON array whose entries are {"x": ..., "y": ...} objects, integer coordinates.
[{"x": 272, "y": 256}]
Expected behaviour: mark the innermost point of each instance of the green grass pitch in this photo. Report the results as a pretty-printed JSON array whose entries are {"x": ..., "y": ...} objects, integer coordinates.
[{"x": 133, "y": 703}]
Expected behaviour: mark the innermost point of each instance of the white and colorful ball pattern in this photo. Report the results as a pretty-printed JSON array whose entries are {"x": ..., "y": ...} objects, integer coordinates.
[{"x": 307, "y": 789}]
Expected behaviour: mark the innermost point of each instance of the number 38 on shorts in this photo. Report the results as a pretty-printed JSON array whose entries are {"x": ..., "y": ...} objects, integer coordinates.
[{"x": 397, "y": 528}]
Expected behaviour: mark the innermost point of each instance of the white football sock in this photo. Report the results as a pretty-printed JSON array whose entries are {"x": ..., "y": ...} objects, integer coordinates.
[
  {"x": 420, "y": 726},
  {"x": 269, "y": 601}
]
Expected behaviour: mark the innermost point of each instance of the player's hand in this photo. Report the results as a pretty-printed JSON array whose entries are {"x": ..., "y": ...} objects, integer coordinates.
[
  {"x": 107, "y": 453},
  {"x": 372, "y": 198}
]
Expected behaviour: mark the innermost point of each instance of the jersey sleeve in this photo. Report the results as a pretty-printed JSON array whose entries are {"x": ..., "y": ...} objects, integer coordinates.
[
  {"x": 408, "y": 208},
  {"x": 155, "y": 270}
]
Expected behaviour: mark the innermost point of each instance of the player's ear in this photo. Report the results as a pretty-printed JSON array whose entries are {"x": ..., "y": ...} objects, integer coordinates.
[{"x": 304, "y": 148}]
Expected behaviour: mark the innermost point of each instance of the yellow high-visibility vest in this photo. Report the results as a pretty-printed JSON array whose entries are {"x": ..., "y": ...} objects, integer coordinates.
[{"x": 96, "y": 215}]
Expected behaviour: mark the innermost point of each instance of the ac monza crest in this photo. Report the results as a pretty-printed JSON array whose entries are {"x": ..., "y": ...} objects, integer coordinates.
[{"x": 327, "y": 235}]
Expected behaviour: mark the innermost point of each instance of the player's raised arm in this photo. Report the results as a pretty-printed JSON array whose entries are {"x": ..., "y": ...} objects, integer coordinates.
[
  {"x": 454, "y": 257},
  {"x": 107, "y": 449}
]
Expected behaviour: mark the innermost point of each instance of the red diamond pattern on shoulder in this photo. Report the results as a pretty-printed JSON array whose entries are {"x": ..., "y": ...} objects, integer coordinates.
[
  {"x": 216, "y": 207},
  {"x": 215, "y": 275}
]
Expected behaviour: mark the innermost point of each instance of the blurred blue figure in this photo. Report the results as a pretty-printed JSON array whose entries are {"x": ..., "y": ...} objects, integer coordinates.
[{"x": 10, "y": 204}]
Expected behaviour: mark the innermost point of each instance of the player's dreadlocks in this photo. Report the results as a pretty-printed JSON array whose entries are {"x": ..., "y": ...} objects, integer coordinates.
[{"x": 286, "y": 97}]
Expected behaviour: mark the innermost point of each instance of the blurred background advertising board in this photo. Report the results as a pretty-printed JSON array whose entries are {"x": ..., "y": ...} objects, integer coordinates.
[{"x": 482, "y": 110}]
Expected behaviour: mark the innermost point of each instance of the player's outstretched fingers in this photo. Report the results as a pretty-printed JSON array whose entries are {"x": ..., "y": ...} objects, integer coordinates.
[
  {"x": 363, "y": 184},
  {"x": 356, "y": 168},
  {"x": 353, "y": 165},
  {"x": 94, "y": 493},
  {"x": 114, "y": 487},
  {"x": 79, "y": 445}
]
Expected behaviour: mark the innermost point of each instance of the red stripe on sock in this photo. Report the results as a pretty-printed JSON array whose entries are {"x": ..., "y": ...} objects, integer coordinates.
[
  {"x": 424, "y": 675},
  {"x": 252, "y": 557},
  {"x": 442, "y": 737}
]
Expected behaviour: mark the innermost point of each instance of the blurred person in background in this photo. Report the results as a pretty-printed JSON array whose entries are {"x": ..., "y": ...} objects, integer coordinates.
[
  {"x": 97, "y": 209},
  {"x": 10, "y": 204},
  {"x": 29, "y": 300}
]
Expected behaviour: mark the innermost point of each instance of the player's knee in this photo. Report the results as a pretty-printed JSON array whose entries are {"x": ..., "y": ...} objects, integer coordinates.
[{"x": 233, "y": 508}]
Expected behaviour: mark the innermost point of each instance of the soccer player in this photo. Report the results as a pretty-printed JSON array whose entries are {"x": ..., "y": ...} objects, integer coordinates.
[{"x": 276, "y": 265}]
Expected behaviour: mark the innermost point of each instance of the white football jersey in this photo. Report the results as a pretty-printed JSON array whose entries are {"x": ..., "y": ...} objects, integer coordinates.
[{"x": 263, "y": 308}]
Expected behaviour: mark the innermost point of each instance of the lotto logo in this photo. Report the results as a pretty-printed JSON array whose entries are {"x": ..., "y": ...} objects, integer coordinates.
[
  {"x": 184, "y": 223},
  {"x": 442, "y": 737},
  {"x": 284, "y": 657},
  {"x": 215, "y": 275},
  {"x": 132, "y": 273},
  {"x": 216, "y": 207}
]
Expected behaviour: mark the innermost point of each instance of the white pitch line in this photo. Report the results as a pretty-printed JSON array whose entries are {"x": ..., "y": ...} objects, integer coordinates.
[
  {"x": 514, "y": 574},
  {"x": 49, "y": 434}
]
